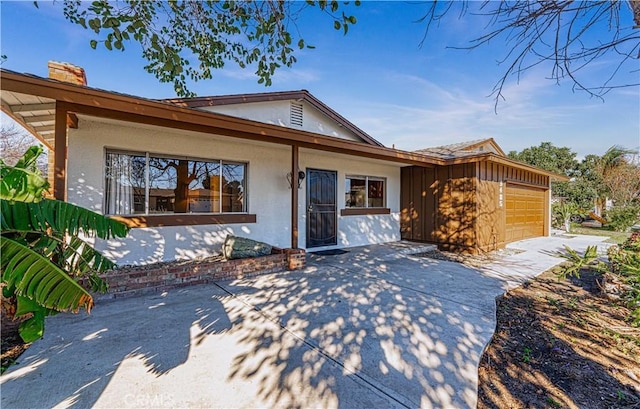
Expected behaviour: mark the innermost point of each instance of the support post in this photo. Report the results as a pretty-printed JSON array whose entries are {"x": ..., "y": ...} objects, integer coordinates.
[
  {"x": 60, "y": 153},
  {"x": 294, "y": 196}
]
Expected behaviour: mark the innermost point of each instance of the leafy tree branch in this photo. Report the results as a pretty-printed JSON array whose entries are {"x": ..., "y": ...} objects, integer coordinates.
[{"x": 186, "y": 40}]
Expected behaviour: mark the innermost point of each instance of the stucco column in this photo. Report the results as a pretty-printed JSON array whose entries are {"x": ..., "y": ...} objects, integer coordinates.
[{"x": 294, "y": 196}]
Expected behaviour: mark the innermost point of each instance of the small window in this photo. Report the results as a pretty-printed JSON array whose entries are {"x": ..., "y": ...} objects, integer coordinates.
[
  {"x": 296, "y": 114},
  {"x": 142, "y": 183},
  {"x": 365, "y": 191}
]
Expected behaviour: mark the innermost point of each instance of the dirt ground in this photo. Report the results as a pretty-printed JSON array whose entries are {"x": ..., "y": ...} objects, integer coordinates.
[
  {"x": 11, "y": 344},
  {"x": 558, "y": 344}
]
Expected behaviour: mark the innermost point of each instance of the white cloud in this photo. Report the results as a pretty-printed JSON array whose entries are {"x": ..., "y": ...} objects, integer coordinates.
[{"x": 438, "y": 115}]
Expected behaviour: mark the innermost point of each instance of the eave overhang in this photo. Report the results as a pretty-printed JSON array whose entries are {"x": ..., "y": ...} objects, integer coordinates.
[{"x": 106, "y": 104}]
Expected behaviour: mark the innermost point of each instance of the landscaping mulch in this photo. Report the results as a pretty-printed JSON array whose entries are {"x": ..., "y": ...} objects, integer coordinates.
[
  {"x": 561, "y": 344},
  {"x": 11, "y": 344}
]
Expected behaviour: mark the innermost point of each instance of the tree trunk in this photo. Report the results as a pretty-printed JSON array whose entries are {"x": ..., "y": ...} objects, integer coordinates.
[
  {"x": 635, "y": 8},
  {"x": 182, "y": 187}
]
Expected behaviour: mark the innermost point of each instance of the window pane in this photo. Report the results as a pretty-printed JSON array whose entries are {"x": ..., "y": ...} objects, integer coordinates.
[
  {"x": 376, "y": 193},
  {"x": 163, "y": 185},
  {"x": 124, "y": 184},
  {"x": 176, "y": 185},
  {"x": 204, "y": 189},
  {"x": 233, "y": 187},
  {"x": 356, "y": 194}
]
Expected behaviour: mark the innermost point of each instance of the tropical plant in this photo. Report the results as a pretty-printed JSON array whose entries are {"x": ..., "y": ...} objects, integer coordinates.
[
  {"x": 619, "y": 171},
  {"x": 622, "y": 269},
  {"x": 563, "y": 212},
  {"x": 577, "y": 262},
  {"x": 47, "y": 266}
]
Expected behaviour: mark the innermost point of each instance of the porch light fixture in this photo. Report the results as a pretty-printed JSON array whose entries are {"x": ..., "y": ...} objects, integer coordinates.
[{"x": 301, "y": 176}]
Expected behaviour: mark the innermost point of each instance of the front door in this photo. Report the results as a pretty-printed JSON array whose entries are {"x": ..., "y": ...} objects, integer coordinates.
[{"x": 321, "y": 208}]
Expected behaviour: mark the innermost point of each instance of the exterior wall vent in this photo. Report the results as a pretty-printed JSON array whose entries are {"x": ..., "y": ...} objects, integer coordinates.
[{"x": 295, "y": 117}]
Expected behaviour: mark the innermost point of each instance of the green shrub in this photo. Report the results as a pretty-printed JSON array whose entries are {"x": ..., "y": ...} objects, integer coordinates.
[{"x": 621, "y": 218}]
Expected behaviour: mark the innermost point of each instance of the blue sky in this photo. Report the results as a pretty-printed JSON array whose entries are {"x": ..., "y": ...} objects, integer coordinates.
[{"x": 377, "y": 76}]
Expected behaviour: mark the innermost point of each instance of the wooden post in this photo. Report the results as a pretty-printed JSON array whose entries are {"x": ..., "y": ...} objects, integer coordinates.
[
  {"x": 60, "y": 153},
  {"x": 294, "y": 196}
]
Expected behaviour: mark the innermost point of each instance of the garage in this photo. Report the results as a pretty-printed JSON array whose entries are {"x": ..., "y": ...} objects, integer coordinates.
[
  {"x": 525, "y": 212},
  {"x": 478, "y": 200}
]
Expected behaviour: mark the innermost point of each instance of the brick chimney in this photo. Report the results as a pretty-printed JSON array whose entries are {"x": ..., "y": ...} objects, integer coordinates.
[{"x": 65, "y": 72}]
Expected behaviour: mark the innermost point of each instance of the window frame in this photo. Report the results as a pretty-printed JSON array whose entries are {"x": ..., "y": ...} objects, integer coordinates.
[
  {"x": 381, "y": 209},
  {"x": 150, "y": 219}
]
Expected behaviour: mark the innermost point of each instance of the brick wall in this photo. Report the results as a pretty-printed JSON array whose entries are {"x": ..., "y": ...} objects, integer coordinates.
[
  {"x": 135, "y": 280},
  {"x": 65, "y": 72}
]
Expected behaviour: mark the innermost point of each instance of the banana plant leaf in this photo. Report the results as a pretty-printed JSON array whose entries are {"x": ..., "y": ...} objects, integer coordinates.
[
  {"x": 32, "y": 328},
  {"x": 35, "y": 277},
  {"x": 61, "y": 217},
  {"x": 23, "y": 182}
]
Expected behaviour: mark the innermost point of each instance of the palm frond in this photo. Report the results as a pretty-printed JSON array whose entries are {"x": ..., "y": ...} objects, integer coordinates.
[
  {"x": 61, "y": 217},
  {"x": 35, "y": 277}
]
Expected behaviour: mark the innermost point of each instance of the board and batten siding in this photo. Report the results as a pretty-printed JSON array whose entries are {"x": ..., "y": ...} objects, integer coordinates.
[{"x": 464, "y": 207}]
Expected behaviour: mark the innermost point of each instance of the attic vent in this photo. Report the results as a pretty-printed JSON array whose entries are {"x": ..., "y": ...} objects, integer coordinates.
[{"x": 296, "y": 114}]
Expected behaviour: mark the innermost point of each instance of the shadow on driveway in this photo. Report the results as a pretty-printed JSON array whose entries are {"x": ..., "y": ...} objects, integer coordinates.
[{"x": 358, "y": 330}]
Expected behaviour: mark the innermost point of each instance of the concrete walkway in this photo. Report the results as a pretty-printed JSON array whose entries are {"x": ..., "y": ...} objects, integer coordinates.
[{"x": 374, "y": 327}]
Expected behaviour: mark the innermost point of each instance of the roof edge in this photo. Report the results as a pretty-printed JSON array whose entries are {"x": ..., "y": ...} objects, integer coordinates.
[
  {"x": 492, "y": 157},
  {"x": 304, "y": 95}
]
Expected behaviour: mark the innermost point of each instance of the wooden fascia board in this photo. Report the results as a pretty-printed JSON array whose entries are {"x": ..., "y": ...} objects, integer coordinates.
[
  {"x": 328, "y": 111},
  {"x": 498, "y": 148},
  {"x": 199, "y": 102},
  {"x": 491, "y": 141},
  {"x": 127, "y": 108},
  {"x": 492, "y": 157},
  {"x": 185, "y": 121}
]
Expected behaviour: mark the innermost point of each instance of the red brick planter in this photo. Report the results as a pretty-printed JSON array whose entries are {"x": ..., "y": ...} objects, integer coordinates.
[{"x": 135, "y": 280}]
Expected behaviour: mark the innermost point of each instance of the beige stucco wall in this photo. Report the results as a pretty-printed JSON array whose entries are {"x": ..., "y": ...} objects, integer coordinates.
[
  {"x": 278, "y": 113},
  {"x": 356, "y": 230},
  {"x": 269, "y": 196}
]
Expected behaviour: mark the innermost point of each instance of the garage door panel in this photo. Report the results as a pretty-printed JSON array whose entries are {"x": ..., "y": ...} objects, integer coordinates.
[{"x": 525, "y": 211}]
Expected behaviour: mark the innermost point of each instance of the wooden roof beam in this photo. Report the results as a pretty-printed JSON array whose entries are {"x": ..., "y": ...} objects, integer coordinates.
[
  {"x": 39, "y": 118},
  {"x": 44, "y": 129},
  {"x": 45, "y": 107}
]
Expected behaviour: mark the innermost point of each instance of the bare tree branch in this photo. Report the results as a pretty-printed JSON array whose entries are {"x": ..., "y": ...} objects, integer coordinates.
[
  {"x": 570, "y": 35},
  {"x": 14, "y": 142}
]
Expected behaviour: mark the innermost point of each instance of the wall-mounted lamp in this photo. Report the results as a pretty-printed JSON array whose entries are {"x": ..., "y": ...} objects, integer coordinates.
[{"x": 301, "y": 176}]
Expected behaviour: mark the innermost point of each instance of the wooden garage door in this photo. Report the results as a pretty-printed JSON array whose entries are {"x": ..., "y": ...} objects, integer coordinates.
[{"x": 525, "y": 212}]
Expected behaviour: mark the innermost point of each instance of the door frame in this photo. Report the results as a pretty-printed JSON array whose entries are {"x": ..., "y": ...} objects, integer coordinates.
[{"x": 335, "y": 208}]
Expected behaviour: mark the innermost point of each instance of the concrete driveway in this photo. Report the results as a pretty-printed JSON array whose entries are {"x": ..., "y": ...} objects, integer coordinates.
[{"x": 369, "y": 328}]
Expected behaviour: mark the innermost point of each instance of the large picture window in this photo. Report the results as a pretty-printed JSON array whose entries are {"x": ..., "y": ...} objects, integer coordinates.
[
  {"x": 143, "y": 183},
  {"x": 364, "y": 191}
]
